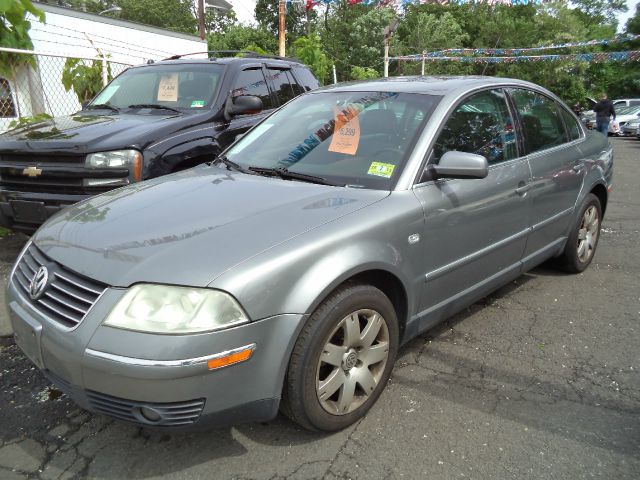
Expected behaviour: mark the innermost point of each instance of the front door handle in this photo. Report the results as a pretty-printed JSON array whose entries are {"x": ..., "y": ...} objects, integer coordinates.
[
  {"x": 523, "y": 188},
  {"x": 577, "y": 167}
]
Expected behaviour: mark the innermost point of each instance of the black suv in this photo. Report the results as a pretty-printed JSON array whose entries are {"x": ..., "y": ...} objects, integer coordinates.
[{"x": 149, "y": 121}]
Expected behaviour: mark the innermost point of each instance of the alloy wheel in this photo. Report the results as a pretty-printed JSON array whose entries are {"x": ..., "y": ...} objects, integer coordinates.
[
  {"x": 352, "y": 361},
  {"x": 588, "y": 234}
]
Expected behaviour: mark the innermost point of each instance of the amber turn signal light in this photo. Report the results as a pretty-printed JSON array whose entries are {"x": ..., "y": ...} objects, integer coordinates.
[{"x": 235, "y": 357}]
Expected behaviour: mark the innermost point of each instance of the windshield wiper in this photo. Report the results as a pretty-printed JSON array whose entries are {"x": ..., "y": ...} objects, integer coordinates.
[
  {"x": 230, "y": 164},
  {"x": 102, "y": 106},
  {"x": 287, "y": 174},
  {"x": 153, "y": 105}
]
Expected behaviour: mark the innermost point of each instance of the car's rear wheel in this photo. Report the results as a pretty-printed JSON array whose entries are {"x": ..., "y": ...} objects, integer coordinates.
[
  {"x": 583, "y": 239},
  {"x": 342, "y": 359}
]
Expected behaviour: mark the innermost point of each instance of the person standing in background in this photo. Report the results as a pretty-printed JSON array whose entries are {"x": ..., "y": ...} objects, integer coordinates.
[{"x": 604, "y": 111}]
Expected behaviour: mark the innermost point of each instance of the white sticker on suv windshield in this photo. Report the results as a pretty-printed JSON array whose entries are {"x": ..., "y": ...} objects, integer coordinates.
[{"x": 168, "y": 88}]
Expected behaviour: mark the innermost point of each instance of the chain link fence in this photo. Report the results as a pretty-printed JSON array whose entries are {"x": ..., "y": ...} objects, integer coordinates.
[{"x": 33, "y": 84}]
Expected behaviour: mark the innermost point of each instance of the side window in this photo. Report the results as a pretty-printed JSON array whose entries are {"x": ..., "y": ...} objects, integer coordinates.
[
  {"x": 7, "y": 108},
  {"x": 481, "y": 124},
  {"x": 309, "y": 82},
  {"x": 281, "y": 85},
  {"x": 634, "y": 103},
  {"x": 252, "y": 82},
  {"x": 573, "y": 129},
  {"x": 541, "y": 124},
  {"x": 297, "y": 88}
]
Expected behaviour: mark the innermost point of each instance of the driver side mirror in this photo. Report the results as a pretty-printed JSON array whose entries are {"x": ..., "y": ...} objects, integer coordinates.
[
  {"x": 242, "y": 105},
  {"x": 454, "y": 164}
]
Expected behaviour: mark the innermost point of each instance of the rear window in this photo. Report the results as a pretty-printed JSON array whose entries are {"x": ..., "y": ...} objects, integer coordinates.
[
  {"x": 542, "y": 126},
  {"x": 281, "y": 85},
  {"x": 306, "y": 78},
  {"x": 573, "y": 129}
]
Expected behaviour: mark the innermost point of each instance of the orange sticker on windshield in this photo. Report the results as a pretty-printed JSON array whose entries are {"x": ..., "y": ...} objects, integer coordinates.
[
  {"x": 346, "y": 133},
  {"x": 168, "y": 88}
]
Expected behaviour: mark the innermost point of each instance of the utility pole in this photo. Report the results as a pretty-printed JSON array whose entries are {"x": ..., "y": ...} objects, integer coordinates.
[
  {"x": 388, "y": 33},
  {"x": 281, "y": 27},
  {"x": 201, "y": 19}
]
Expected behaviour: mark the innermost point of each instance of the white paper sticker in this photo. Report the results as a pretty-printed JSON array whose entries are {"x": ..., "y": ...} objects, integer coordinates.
[{"x": 168, "y": 88}]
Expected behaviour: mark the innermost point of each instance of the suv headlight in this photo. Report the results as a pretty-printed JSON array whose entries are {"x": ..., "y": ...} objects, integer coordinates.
[
  {"x": 130, "y": 159},
  {"x": 169, "y": 309}
]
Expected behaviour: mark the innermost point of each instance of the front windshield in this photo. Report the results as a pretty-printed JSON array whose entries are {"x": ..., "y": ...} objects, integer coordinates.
[
  {"x": 375, "y": 134},
  {"x": 188, "y": 87}
]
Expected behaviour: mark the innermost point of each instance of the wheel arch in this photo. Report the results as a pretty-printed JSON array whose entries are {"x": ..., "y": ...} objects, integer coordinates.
[
  {"x": 377, "y": 276},
  {"x": 600, "y": 191}
]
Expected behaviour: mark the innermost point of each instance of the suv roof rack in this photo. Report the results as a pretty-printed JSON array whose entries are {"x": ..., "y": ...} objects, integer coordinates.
[{"x": 247, "y": 54}]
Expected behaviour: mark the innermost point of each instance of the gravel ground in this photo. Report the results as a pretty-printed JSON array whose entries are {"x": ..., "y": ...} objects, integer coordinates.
[{"x": 538, "y": 381}]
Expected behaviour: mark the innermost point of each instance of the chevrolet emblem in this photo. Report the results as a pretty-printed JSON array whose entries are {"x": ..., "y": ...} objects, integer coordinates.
[{"x": 32, "y": 172}]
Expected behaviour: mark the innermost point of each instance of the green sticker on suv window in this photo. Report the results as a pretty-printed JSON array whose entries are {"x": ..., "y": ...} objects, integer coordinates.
[
  {"x": 197, "y": 104},
  {"x": 380, "y": 169}
]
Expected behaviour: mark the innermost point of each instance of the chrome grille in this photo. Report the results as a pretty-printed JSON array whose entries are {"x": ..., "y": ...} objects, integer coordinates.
[
  {"x": 170, "y": 414},
  {"x": 68, "y": 297}
]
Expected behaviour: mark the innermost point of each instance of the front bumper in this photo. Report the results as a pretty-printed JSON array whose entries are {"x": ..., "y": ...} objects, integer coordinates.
[
  {"x": 25, "y": 212},
  {"x": 127, "y": 374}
]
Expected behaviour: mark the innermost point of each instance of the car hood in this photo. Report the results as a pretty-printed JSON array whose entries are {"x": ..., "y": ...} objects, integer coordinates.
[
  {"x": 190, "y": 227},
  {"x": 82, "y": 132}
]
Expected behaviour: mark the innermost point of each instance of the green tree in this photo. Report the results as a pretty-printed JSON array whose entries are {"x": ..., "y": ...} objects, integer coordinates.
[
  {"x": 86, "y": 80},
  {"x": 177, "y": 15},
  {"x": 309, "y": 51},
  {"x": 633, "y": 25},
  {"x": 363, "y": 73},
  {"x": 14, "y": 33},
  {"x": 243, "y": 37},
  {"x": 296, "y": 22},
  {"x": 219, "y": 21}
]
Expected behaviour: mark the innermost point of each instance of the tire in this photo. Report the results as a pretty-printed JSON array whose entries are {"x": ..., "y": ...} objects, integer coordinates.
[
  {"x": 583, "y": 239},
  {"x": 337, "y": 372}
]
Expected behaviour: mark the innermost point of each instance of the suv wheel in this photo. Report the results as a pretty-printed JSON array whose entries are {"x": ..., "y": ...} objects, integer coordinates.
[
  {"x": 342, "y": 359},
  {"x": 583, "y": 239}
]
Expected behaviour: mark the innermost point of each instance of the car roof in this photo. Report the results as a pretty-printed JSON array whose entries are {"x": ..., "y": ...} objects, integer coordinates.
[{"x": 435, "y": 85}]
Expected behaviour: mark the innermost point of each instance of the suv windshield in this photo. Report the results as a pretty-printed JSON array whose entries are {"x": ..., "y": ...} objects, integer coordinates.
[
  {"x": 188, "y": 87},
  {"x": 353, "y": 138}
]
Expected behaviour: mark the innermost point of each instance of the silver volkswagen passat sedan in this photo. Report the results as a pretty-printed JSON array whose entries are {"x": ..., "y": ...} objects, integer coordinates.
[{"x": 287, "y": 273}]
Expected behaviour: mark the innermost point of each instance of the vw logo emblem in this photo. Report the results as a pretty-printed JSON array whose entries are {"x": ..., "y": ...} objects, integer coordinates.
[{"x": 38, "y": 283}]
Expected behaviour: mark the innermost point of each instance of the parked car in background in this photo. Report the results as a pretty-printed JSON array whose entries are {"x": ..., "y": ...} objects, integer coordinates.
[
  {"x": 623, "y": 115},
  {"x": 287, "y": 273},
  {"x": 588, "y": 117},
  {"x": 626, "y": 102},
  {"x": 629, "y": 127},
  {"x": 149, "y": 121}
]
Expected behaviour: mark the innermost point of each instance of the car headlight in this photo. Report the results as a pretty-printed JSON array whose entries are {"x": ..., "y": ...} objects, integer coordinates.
[
  {"x": 130, "y": 159},
  {"x": 169, "y": 309}
]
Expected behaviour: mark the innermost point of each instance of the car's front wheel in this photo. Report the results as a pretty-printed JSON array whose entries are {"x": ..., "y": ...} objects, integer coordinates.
[
  {"x": 583, "y": 239},
  {"x": 342, "y": 359}
]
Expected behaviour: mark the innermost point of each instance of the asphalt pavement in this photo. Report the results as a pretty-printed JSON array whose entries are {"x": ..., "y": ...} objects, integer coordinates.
[{"x": 538, "y": 381}]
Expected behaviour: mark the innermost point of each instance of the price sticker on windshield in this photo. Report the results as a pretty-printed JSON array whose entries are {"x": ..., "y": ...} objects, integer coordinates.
[
  {"x": 346, "y": 133},
  {"x": 168, "y": 88}
]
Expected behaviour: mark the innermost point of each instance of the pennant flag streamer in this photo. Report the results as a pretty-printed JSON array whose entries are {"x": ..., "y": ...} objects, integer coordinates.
[
  {"x": 309, "y": 4},
  {"x": 601, "y": 57},
  {"x": 520, "y": 51}
]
